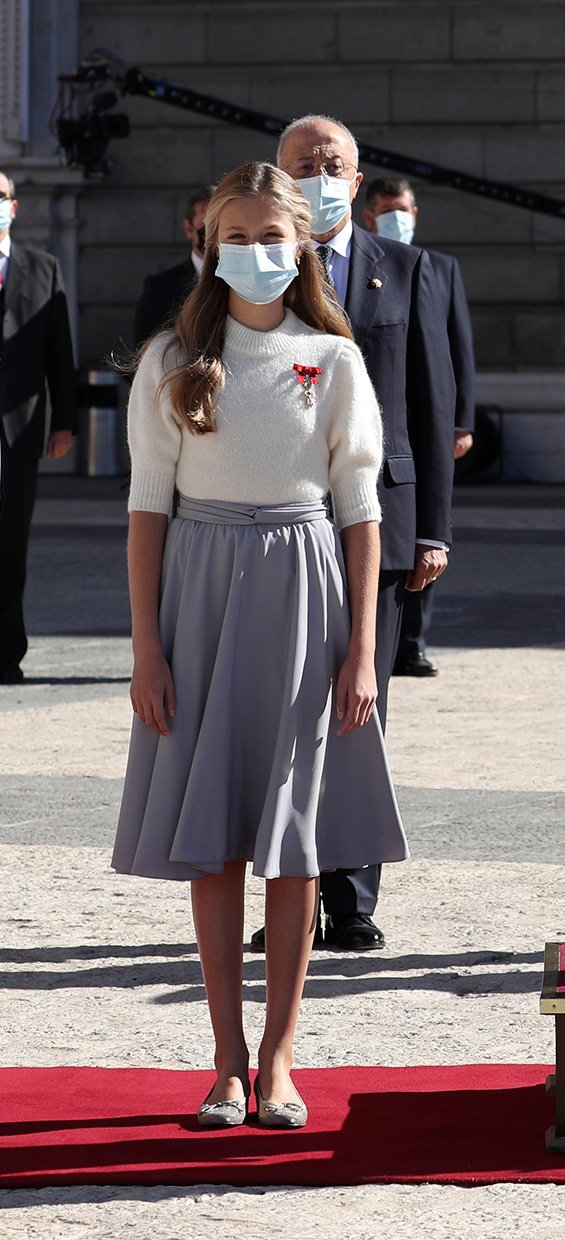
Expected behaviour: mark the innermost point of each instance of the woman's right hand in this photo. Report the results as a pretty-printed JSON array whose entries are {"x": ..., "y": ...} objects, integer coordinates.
[{"x": 152, "y": 691}]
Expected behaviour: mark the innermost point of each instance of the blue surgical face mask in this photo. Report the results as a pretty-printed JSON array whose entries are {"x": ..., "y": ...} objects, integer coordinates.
[
  {"x": 328, "y": 199},
  {"x": 258, "y": 273},
  {"x": 396, "y": 225},
  {"x": 5, "y": 214}
]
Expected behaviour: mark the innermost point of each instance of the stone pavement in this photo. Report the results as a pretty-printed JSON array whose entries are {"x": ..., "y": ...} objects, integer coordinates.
[{"x": 100, "y": 969}]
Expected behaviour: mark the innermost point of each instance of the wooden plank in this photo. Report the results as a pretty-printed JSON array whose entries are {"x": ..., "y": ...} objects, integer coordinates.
[
  {"x": 552, "y": 999},
  {"x": 560, "y": 1076},
  {"x": 553, "y": 1143}
]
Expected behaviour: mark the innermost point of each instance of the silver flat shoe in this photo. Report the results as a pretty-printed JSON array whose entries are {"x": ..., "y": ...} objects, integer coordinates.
[
  {"x": 280, "y": 1114},
  {"x": 226, "y": 1114}
]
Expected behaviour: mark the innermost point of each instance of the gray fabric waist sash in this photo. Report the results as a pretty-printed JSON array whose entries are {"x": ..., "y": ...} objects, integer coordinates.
[{"x": 220, "y": 512}]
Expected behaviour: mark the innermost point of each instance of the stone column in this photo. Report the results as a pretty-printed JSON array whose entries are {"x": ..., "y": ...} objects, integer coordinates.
[{"x": 39, "y": 40}]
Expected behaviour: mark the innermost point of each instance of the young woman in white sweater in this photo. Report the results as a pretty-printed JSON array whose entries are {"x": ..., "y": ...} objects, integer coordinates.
[{"x": 255, "y": 734}]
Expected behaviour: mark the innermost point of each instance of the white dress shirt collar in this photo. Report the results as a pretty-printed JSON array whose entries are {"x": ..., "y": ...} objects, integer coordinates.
[
  {"x": 197, "y": 263},
  {"x": 5, "y": 245},
  {"x": 341, "y": 243}
]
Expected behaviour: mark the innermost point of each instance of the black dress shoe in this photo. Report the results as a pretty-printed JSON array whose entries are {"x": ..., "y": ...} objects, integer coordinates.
[
  {"x": 257, "y": 943},
  {"x": 415, "y": 665},
  {"x": 11, "y": 675},
  {"x": 354, "y": 934}
]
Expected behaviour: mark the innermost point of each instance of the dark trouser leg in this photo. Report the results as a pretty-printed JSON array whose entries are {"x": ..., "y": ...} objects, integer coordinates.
[
  {"x": 416, "y": 620},
  {"x": 389, "y": 623},
  {"x": 345, "y": 892},
  {"x": 19, "y": 483}
]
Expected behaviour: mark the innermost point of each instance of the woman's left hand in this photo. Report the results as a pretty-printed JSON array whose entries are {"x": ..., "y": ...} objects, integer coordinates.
[{"x": 356, "y": 692}]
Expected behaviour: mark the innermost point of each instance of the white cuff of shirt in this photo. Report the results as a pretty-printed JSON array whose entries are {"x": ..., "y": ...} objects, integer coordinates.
[{"x": 433, "y": 542}]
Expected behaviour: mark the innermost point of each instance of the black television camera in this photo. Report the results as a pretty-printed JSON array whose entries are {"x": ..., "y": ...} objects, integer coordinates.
[{"x": 85, "y": 138}]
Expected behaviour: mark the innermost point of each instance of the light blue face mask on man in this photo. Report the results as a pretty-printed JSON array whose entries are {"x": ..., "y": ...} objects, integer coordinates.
[
  {"x": 396, "y": 225},
  {"x": 258, "y": 273},
  {"x": 328, "y": 199},
  {"x": 5, "y": 214}
]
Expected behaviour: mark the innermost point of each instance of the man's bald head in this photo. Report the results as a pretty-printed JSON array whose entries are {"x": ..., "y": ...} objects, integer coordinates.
[{"x": 320, "y": 130}]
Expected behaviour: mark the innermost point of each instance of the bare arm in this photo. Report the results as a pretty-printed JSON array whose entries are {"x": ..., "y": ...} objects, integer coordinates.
[
  {"x": 152, "y": 690},
  {"x": 357, "y": 684}
]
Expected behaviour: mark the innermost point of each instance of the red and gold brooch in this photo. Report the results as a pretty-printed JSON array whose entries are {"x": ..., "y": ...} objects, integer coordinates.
[{"x": 307, "y": 376}]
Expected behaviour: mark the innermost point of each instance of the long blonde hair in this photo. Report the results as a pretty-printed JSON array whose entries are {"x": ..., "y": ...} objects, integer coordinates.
[{"x": 200, "y": 327}]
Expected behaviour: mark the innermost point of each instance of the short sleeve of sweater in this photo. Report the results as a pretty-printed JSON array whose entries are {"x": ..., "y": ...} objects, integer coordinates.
[
  {"x": 355, "y": 440},
  {"x": 154, "y": 435}
]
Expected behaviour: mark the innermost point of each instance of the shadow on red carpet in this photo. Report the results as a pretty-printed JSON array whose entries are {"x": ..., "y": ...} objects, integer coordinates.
[{"x": 465, "y": 1125}]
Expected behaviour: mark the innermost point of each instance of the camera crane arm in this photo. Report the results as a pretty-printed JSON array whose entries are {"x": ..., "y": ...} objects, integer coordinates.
[
  {"x": 137, "y": 83},
  {"x": 104, "y": 66}
]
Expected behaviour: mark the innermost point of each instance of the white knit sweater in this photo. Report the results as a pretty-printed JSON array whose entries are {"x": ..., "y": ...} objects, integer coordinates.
[{"x": 270, "y": 447}]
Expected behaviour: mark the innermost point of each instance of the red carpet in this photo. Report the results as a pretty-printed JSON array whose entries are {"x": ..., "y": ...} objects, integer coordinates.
[{"x": 462, "y": 1125}]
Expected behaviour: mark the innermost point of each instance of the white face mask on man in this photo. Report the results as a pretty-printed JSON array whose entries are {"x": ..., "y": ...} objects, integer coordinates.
[
  {"x": 5, "y": 214},
  {"x": 328, "y": 198},
  {"x": 396, "y": 225}
]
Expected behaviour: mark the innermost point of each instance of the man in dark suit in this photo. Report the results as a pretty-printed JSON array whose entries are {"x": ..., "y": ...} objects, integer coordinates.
[
  {"x": 36, "y": 354},
  {"x": 164, "y": 293},
  {"x": 391, "y": 211},
  {"x": 389, "y": 292}
]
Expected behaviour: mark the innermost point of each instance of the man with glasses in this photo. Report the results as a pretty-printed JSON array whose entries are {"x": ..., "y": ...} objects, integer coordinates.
[
  {"x": 390, "y": 294},
  {"x": 36, "y": 354}
]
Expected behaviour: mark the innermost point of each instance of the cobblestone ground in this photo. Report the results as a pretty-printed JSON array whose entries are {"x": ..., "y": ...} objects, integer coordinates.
[{"x": 100, "y": 969}]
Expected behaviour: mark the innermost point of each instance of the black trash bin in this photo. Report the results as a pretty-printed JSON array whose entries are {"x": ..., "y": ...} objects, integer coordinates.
[{"x": 100, "y": 438}]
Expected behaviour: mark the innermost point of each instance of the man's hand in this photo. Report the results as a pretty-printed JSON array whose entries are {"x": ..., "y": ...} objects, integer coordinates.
[
  {"x": 59, "y": 443},
  {"x": 463, "y": 440},
  {"x": 429, "y": 563}
]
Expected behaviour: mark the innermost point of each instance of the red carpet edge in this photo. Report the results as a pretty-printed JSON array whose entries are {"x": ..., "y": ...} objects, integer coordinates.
[{"x": 464, "y": 1125}]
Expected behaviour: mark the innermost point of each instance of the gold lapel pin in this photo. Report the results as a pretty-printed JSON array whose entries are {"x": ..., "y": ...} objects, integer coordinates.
[{"x": 374, "y": 283}]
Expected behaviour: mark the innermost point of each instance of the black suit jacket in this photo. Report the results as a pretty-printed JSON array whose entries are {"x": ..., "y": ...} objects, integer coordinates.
[
  {"x": 36, "y": 352},
  {"x": 460, "y": 334},
  {"x": 162, "y": 298},
  {"x": 394, "y": 306}
]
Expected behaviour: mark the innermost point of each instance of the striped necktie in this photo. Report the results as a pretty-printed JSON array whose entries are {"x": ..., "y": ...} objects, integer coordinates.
[{"x": 325, "y": 254}]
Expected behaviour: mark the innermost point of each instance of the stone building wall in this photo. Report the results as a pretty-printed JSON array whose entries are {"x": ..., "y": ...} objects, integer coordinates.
[{"x": 473, "y": 85}]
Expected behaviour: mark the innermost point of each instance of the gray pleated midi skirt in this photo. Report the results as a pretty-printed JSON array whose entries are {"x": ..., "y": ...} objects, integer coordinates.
[{"x": 254, "y": 623}]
